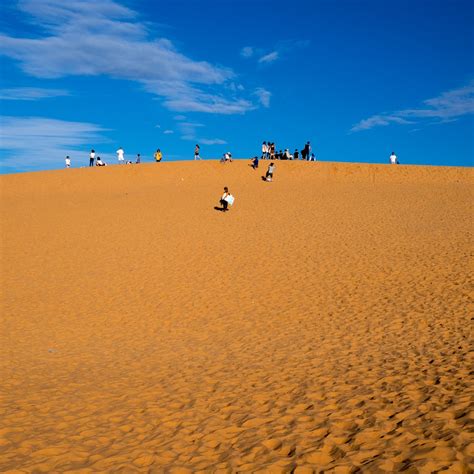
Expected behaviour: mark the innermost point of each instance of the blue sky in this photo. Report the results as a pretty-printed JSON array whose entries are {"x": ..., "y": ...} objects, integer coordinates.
[{"x": 356, "y": 78}]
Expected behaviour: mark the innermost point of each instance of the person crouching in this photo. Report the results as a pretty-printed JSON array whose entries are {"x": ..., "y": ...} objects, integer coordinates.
[{"x": 226, "y": 199}]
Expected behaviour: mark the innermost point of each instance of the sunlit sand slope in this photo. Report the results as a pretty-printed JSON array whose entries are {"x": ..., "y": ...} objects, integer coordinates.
[{"x": 323, "y": 324}]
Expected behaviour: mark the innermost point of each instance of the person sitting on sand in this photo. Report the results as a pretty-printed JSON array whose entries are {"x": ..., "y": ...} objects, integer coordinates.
[
  {"x": 269, "y": 175},
  {"x": 393, "y": 159},
  {"x": 255, "y": 162},
  {"x": 158, "y": 155},
  {"x": 296, "y": 154},
  {"x": 226, "y": 199},
  {"x": 99, "y": 162},
  {"x": 226, "y": 157}
]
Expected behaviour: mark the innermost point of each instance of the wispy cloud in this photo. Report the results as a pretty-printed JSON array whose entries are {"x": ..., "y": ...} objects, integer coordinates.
[
  {"x": 31, "y": 93},
  {"x": 279, "y": 51},
  {"x": 270, "y": 57},
  {"x": 168, "y": 132},
  {"x": 378, "y": 121},
  {"x": 447, "y": 107},
  {"x": 263, "y": 96},
  {"x": 183, "y": 97},
  {"x": 42, "y": 143},
  {"x": 212, "y": 141},
  {"x": 189, "y": 132},
  {"x": 105, "y": 38},
  {"x": 247, "y": 52}
]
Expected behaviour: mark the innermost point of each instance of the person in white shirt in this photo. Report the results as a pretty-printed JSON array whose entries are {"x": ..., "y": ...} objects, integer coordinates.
[
  {"x": 393, "y": 159},
  {"x": 264, "y": 150},
  {"x": 92, "y": 158},
  {"x": 68, "y": 162},
  {"x": 269, "y": 174},
  {"x": 120, "y": 156},
  {"x": 226, "y": 199},
  {"x": 288, "y": 155}
]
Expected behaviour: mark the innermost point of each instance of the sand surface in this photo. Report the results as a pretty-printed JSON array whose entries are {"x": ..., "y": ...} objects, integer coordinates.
[{"x": 322, "y": 325}]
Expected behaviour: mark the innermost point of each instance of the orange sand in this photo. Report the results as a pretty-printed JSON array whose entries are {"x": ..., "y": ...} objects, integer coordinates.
[{"x": 323, "y": 324}]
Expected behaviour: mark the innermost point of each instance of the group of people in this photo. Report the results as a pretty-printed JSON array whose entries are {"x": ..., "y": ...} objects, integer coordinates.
[
  {"x": 98, "y": 161},
  {"x": 95, "y": 160},
  {"x": 269, "y": 153},
  {"x": 158, "y": 156},
  {"x": 226, "y": 157},
  {"x": 227, "y": 199}
]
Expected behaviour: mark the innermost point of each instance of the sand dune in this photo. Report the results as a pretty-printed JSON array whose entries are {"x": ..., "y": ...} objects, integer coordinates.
[{"x": 322, "y": 325}]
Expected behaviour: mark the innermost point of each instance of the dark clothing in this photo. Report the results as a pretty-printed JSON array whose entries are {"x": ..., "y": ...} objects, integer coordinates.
[
  {"x": 306, "y": 152},
  {"x": 224, "y": 204},
  {"x": 91, "y": 161}
]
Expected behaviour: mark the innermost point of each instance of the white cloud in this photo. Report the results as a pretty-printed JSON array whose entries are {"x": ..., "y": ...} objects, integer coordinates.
[
  {"x": 377, "y": 121},
  {"x": 263, "y": 96},
  {"x": 447, "y": 107},
  {"x": 270, "y": 57},
  {"x": 188, "y": 130},
  {"x": 42, "y": 143},
  {"x": 31, "y": 93},
  {"x": 247, "y": 52},
  {"x": 168, "y": 132},
  {"x": 157, "y": 126},
  {"x": 105, "y": 38},
  {"x": 180, "y": 117},
  {"x": 212, "y": 141},
  {"x": 280, "y": 50}
]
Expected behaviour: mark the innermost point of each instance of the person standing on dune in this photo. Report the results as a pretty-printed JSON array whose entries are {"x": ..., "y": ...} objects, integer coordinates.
[
  {"x": 307, "y": 151},
  {"x": 158, "y": 155},
  {"x": 197, "y": 150},
  {"x": 120, "y": 156},
  {"x": 91, "y": 158},
  {"x": 68, "y": 162},
  {"x": 393, "y": 159}
]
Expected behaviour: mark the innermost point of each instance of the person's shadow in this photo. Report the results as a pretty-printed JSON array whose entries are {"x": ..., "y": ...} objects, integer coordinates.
[
  {"x": 217, "y": 208},
  {"x": 264, "y": 178}
]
